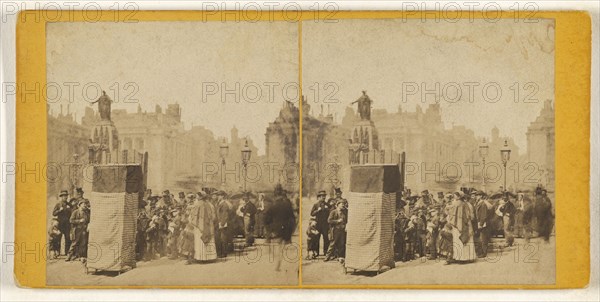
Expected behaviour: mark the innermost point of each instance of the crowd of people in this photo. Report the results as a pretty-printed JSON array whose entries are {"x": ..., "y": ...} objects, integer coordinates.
[
  {"x": 457, "y": 227},
  {"x": 197, "y": 227}
]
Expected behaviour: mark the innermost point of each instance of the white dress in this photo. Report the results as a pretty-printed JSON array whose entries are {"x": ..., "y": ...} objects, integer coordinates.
[
  {"x": 460, "y": 251},
  {"x": 204, "y": 251}
]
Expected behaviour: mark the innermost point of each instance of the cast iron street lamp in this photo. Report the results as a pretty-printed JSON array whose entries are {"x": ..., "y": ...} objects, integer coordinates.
[
  {"x": 246, "y": 154},
  {"x": 483, "y": 152},
  {"x": 223, "y": 151},
  {"x": 505, "y": 153},
  {"x": 74, "y": 168}
]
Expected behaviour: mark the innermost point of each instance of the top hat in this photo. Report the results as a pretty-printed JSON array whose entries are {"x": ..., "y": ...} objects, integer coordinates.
[
  {"x": 79, "y": 190},
  {"x": 338, "y": 191}
]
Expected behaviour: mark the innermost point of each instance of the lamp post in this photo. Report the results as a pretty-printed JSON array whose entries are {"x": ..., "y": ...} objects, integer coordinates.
[
  {"x": 74, "y": 168},
  {"x": 505, "y": 153},
  {"x": 223, "y": 151},
  {"x": 246, "y": 154},
  {"x": 335, "y": 167},
  {"x": 483, "y": 152}
]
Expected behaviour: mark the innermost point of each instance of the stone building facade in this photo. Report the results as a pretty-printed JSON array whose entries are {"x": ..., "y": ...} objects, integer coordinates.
[
  {"x": 325, "y": 148},
  {"x": 283, "y": 147},
  {"x": 179, "y": 158},
  {"x": 540, "y": 145},
  {"x": 325, "y": 153},
  {"x": 67, "y": 148}
]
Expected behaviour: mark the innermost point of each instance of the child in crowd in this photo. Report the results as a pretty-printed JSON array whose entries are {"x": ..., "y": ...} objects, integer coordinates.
[
  {"x": 312, "y": 241},
  {"x": 54, "y": 236}
]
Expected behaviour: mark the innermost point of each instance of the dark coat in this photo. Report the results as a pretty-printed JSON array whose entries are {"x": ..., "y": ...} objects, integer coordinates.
[
  {"x": 320, "y": 211},
  {"x": 249, "y": 210},
  {"x": 224, "y": 209},
  {"x": 279, "y": 219},
  {"x": 62, "y": 215},
  {"x": 484, "y": 214}
]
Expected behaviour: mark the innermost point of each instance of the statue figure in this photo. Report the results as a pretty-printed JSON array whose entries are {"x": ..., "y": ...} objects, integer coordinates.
[
  {"x": 104, "y": 103},
  {"x": 364, "y": 106}
]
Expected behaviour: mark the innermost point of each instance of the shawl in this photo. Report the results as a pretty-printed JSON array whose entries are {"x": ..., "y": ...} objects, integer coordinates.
[
  {"x": 202, "y": 216},
  {"x": 459, "y": 217}
]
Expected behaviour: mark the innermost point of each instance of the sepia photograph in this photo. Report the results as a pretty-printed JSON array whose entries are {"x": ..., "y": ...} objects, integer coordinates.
[
  {"x": 299, "y": 150},
  {"x": 428, "y": 152},
  {"x": 173, "y": 151}
]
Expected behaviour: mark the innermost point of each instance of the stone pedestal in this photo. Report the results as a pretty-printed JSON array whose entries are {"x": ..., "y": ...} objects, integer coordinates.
[
  {"x": 364, "y": 140},
  {"x": 104, "y": 143}
]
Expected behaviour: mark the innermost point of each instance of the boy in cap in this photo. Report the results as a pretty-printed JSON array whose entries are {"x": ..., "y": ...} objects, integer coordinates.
[
  {"x": 337, "y": 222},
  {"x": 79, "y": 223},
  {"x": 75, "y": 201}
]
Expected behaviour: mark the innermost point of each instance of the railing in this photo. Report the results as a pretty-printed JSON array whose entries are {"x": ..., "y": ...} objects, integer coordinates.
[
  {"x": 132, "y": 157},
  {"x": 360, "y": 157}
]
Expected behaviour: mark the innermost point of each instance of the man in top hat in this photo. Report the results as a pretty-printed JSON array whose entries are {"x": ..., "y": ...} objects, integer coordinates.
[
  {"x": 248, "y": 210},
  {"x": 165, "y": 200},
  {"x": 62, "y": 211},
  {"x": 181, "y": 201},
  {"x": 338, "y": 198},
  {"x": 544, "y": 215},
  {"x": 440, "y": 197},
  {"x": 320, "y": 211},
  {"x": 506, "y": 209},
  {"x": 224, "y": 217},
  {"x": 484, "y": 213},
  {"x": 400, "y": 224},
  {"x": 424, "y": 200},
  {"x": 280, "y": 223}
]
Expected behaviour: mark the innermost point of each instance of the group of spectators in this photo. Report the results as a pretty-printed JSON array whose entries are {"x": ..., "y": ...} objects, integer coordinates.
[
  {"x": 201, "y": 226},
  {"x": 197, "y": 226},
  {"x": 459, "y": 226}
]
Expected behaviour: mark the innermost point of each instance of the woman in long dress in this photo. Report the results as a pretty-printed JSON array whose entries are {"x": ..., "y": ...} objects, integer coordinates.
[
  {"x": 460, "y": 217},
  {"x": 202, "y": 218}
]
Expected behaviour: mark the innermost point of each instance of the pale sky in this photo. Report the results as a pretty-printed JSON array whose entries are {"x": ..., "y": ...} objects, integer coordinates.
[
  {"x": 170, "y": 61},
  {"x": 380, "y": 55},
  {"x": 174, "y": 61}
]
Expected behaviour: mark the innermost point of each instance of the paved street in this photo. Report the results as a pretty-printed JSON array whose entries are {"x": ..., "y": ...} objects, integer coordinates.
[
  {"x": 520, "y": 264},
  {"x": 254, "y": 266}
]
